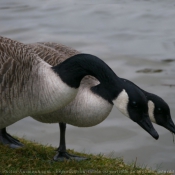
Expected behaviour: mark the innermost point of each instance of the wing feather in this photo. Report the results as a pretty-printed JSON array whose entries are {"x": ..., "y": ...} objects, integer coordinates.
[{"x": 54, "y": 54}]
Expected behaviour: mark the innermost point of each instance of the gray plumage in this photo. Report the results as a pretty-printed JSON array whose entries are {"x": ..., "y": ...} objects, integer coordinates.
[{"x": 24, "y": 86}]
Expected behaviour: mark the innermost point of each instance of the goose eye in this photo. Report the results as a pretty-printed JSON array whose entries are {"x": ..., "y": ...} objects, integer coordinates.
[
  {"x": 134, "y": 104},
  {"x": 159, "y": 110}
]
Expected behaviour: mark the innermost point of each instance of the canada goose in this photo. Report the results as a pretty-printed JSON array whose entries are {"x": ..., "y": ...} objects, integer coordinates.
[
  {"x": 31, "y": 87},
  {"x": 85, "y": 105}
]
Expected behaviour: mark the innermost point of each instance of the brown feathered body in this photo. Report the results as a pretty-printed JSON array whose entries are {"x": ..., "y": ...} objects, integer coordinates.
[{"x": 25, "y": 89}]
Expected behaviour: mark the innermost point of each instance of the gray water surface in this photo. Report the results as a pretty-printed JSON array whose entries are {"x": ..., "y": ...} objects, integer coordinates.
[{"x": 129, "y": 35}]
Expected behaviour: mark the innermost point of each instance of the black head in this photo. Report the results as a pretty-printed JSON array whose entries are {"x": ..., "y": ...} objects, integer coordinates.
[
  {"x": 132, "y": 102},
  {"x": 159, "y": 112}
]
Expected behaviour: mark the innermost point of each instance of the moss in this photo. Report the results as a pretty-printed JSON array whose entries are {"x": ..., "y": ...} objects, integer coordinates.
[{"x": 38, "y": 159}]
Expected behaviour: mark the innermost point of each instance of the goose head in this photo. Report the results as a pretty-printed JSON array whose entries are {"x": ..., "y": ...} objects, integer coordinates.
[
  {"x": 132, "y": 103},
  {"x": 159, "y": 112},
  {"x": 158, "y": 109}
]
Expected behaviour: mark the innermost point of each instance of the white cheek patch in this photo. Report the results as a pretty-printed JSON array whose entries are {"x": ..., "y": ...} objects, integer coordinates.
[
  {"x": 151, "y": 108},
  {"x": 121, "y": 102}
]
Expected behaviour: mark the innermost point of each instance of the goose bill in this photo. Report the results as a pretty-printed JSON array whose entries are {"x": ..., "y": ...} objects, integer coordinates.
[{"x": 146, "y": 124}]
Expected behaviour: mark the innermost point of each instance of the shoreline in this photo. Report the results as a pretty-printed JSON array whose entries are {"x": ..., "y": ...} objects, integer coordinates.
[{"x": 35, "y": 158}]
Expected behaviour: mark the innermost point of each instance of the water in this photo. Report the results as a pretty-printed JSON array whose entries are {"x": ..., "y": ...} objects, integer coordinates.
[{"x": 129, "y": 35}]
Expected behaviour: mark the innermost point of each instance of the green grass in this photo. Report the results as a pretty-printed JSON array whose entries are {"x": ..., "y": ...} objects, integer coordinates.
[{"x": 38, "y": 159}]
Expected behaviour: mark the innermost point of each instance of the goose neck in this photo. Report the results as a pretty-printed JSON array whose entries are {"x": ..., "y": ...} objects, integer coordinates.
[{"x": 72, "y": 70}]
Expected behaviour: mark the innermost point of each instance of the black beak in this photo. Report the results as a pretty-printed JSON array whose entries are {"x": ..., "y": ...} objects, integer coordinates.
[
  {"x": 146, "y": 124},
  {"x": 169, "y": 125}
]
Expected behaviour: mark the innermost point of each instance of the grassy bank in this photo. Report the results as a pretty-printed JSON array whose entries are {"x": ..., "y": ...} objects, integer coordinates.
[{"x": 37, "y": 159}]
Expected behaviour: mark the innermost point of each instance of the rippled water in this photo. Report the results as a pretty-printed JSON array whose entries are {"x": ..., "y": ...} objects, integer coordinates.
[{"x": 130, "y": 35}]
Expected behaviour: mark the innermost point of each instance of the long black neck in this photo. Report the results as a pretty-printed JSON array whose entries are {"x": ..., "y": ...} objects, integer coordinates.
[{"x": 75, "y": 68}]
